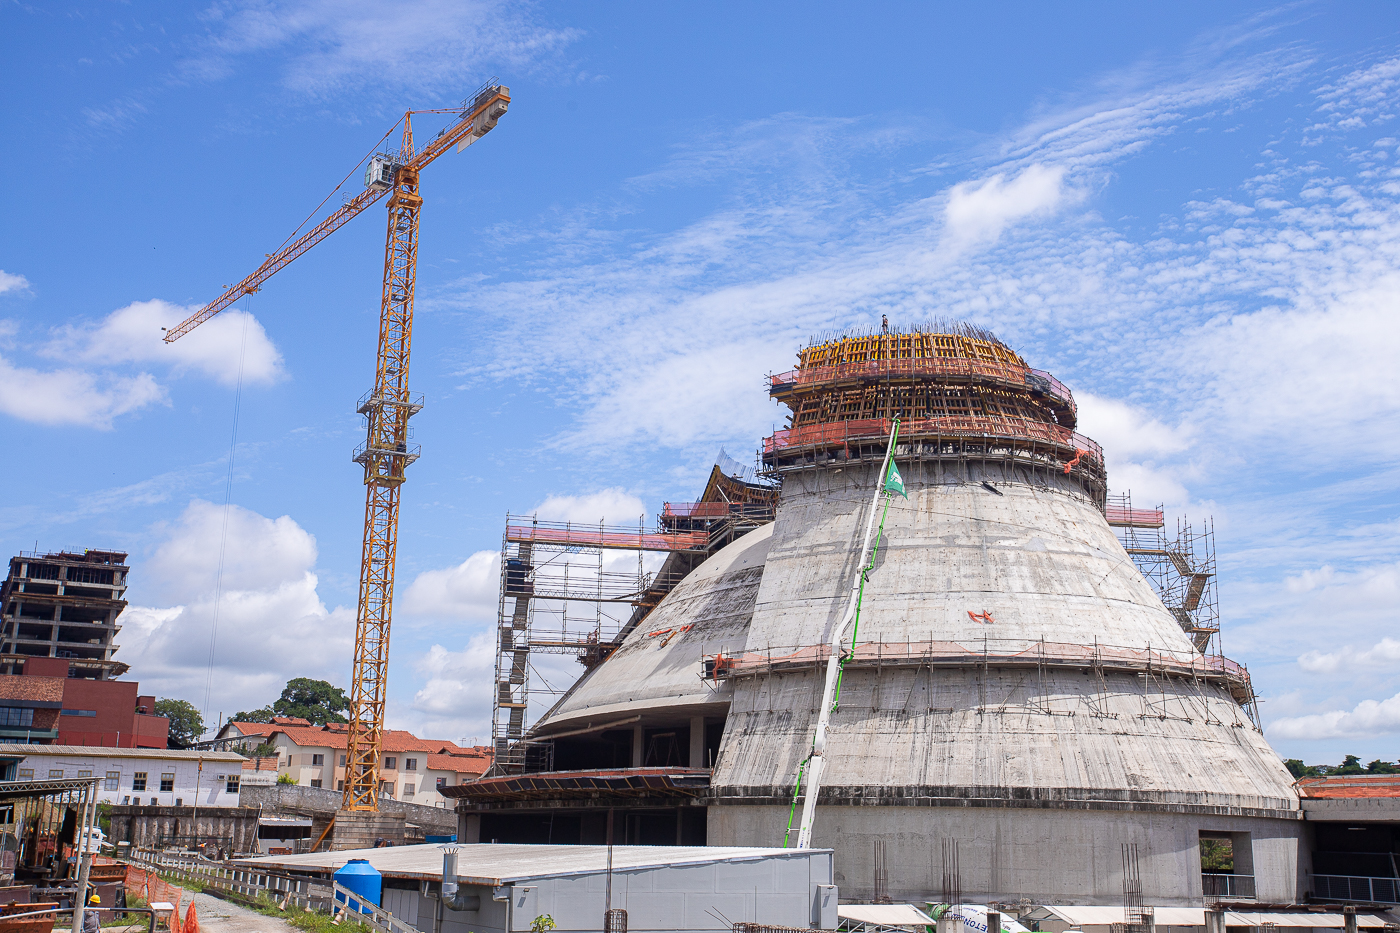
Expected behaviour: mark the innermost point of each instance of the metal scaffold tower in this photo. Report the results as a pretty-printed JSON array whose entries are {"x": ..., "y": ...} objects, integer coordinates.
[
  {"x": 1180, "y": 569},
  {"x": 562, "y": 592}
]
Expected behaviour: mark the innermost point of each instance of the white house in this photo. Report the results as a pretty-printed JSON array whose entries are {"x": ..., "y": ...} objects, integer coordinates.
[{"x": 146, "y": 776}]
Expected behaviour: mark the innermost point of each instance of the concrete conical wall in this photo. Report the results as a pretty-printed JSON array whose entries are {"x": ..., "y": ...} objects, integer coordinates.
[{"x": 1017, "y": 688}]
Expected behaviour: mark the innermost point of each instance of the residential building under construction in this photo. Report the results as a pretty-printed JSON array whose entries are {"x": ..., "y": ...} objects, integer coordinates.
[{"x": 1032, "y": 708}]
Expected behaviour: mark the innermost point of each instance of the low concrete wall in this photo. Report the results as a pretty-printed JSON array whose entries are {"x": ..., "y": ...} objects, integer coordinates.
[
  {"x": 152, "y": 826},
  {"x": 1352, "y": 809},
  {"x": 318, "y": 801}
]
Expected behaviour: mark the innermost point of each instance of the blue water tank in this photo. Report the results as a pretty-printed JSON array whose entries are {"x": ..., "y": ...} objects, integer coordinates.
[
  {"x": 440, "y": 839},
  {"x": 364, "y": 879}
]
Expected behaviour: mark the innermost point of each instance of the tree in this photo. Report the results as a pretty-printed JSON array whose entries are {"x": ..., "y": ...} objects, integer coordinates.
[
  {"x": 258, "y": 715},
  {"x": 186, "y": 725},
  {"x": 285, "y": 778},
  {"x": 313, "y": 700},
  {"x": 1299, "y": 770},
  {"x": 1350, "y": 765},
  {"x": 1381, "y": 767}
]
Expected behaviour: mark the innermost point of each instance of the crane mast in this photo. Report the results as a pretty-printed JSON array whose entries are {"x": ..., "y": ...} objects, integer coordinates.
[
  {"x": 384, "y": 455},
  {"x": 385, "y": 452}
]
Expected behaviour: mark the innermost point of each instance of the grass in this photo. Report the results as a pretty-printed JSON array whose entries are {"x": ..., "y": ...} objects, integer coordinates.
[{"x": 311, "y": 921}]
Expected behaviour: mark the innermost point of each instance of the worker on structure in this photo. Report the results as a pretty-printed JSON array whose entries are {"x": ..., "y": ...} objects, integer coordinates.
[
  {"x": 884, "y": 323},
  {"x": 91, "y": 922}
]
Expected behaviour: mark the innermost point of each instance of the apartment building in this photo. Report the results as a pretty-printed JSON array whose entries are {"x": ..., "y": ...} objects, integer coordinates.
[{"x": 414, "y": 769}]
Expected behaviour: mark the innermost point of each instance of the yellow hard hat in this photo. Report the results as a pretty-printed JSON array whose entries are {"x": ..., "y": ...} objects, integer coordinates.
[{"x": 94, "y": 900}]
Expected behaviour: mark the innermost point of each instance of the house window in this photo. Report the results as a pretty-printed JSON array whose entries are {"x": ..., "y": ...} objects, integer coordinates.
[
  {"x": 84, "y": 774},
  {"x": 408, "y": 790},
  {"x": 315, "y": 782},
  {"x": 167, "y": 782},
  {"x": 138, "y": 780},
  {"x": 90, "y": 713},
  {"x": 386, "y": 788},
  {"x": 56, "y": 774},
  {"x": 154, "y": 801},
  {"x": 390, "y": 764},
  {"x": 26, "y": 774},
  {"x": 114, "y": 779},
  {"x": 441, "y": 783},
  {"x": 410, "y": 764},
  {"x": 14, "y": 716},
  {"x": 126, "y": 801},
  {"x": 340, "y": 785},
  {"x": 318, "y": 760},
  {"x": 342, "y": 761},
  {"x": 179, "y": 801},
  {"x": 232, "y": 785}
]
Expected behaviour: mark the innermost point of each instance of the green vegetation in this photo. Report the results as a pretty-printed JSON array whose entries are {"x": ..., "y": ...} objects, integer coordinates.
[
  {"x": 1350, "y": 765},
  {"x": 285, "y": 778},
  {"x": 542, "y": 924},
  {"x": 314, "y": 700},
  {"x": 186, "y": 725},
  {"x": 1217, "y": 855}
]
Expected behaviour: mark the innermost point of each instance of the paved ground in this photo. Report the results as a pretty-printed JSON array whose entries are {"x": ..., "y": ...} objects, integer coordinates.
[{"x": 219, "y": 916}]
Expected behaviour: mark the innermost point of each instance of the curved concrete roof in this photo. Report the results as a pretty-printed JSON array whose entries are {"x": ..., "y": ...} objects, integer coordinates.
[{"x": 658, "y": 667}]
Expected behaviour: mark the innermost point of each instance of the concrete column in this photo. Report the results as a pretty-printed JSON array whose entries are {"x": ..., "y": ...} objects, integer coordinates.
[
  {"x": 697, "y": 741},
  {"x": 1149, "y": 920},
  {"x": 1215, "y": 918},
  {"x": 1349, "y": 918},
  {"x": 638, "y": 737},
  {"x": 993, "y": 921}
]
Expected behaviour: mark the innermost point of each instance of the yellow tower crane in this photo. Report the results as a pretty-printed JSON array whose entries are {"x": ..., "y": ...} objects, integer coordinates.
[{"x": 387, "y": 407}]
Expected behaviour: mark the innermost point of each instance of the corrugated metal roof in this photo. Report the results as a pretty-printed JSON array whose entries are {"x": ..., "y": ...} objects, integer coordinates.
[
  {"x": 887, "y": 915},
  {"x": 501, "y": 864},
  {"x": 104, "y": 751}
]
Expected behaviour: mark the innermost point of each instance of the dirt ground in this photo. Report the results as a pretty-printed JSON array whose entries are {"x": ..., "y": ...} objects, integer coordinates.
[{"x": 219, "y": 916}]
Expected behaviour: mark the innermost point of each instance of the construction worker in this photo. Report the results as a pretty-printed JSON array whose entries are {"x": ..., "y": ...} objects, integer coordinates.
[{"x": 91, "y": 922}]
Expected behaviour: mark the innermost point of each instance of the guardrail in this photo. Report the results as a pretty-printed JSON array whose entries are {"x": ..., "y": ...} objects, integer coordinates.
[
  {"x": 1360, "y": 888},
  {"x": 1223, "y": 885},
  {"x": 832, "y": 433},
  {"x": 246, "y": 882}
]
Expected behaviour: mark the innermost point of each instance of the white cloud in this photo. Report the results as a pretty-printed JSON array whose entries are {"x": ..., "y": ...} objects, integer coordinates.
[
  {"x": 616, "y": 506},
  {"x": 466, "y": 592},
  {"x": 269, "y": 613},
  {"x": 71, "y": 396},
  {"x": 1126, "y": 430},
  {"x": 980, "y": 211},
  {"x": 1369, "y": 718},
  {"x": 458, "y": 685},
  {"x": 215, "y": 348},
  {"x": 12, "y": 282},
  {"x": 338, "y": 45},
  {"x": 1383, "y": 653}
]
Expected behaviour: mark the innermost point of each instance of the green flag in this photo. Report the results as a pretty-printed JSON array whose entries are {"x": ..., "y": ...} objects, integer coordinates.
[{"x": 894, "y": 483}]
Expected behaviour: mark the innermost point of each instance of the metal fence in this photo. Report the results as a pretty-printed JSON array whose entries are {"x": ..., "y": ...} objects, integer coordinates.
[
  {"x": 1222, "y": 885},
  {"x": 1358, "y": 888}
]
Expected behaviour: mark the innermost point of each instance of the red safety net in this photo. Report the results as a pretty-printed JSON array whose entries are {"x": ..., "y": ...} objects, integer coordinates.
[
  {"x": 152, "y": 888},
  {"x": 1134, "y": 518},
  {"x": 1007, "y": 373},
  {"x": 584, "y": 536},
  {"x": 836, "y": 432}
]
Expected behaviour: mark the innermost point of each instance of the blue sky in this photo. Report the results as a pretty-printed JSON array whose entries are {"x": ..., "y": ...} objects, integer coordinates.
[{"x": 1190, "y": 213}]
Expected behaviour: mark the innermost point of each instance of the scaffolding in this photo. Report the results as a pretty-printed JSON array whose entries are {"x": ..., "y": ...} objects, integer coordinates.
[
  {"x": 565, "y": 590},
  {"x": 1181, "y": 569}
]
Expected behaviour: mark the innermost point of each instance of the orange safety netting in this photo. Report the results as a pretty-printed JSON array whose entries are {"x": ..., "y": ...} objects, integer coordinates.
[
  {"x": 595, "y": 537},
  {"x": 842, "y": 431},
  {"x": 1136, "y": 518},
  {"x": 153, "y": 888}
]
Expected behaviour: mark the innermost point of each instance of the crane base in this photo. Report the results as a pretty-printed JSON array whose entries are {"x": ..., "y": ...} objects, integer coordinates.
[{"x": 364, "y": 829}]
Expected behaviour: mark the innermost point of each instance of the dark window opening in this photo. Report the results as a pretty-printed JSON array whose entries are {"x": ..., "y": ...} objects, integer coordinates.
[{"x": 13, "y": 717}]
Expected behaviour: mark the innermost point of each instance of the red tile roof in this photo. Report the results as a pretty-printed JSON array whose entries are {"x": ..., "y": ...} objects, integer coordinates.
[
  {"x": 254, "y": 728},
  {"x": 261, "y": 764},
  {"x": 290, "y": 721},
  {"x": 1350, "y": 785},
  {"x": 395, "y": 741},
  {"x": 459, "y": 764},
  {"x": 31, "y": 687}
]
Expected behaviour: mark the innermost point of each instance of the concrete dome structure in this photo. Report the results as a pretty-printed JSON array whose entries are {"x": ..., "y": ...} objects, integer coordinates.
[{"x": 1015, "y": 686}]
